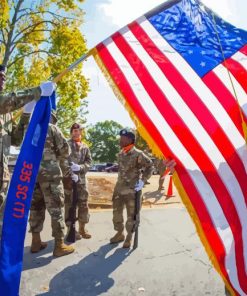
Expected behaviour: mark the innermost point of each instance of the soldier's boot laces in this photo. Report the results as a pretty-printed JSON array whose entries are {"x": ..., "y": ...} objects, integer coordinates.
[
  {"x": 37, "y": 245},
  {"x": 83, "y": 231},
  {"x": 60, "y": 249},
  {"x": 117, "y": 238},
  {"x": 128, "y": 241}
]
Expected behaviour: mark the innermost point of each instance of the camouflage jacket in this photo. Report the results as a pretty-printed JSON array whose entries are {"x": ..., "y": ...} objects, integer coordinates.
[
  {"x": 133, "y": 165},
  {"x": 54, "y": 162},
  {"x": 80, "y": 154},
  {"x": 11, "y": 134},
  {"x": 13, "y": 101}
]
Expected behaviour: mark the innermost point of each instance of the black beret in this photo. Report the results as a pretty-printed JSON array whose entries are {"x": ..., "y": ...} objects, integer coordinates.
[{"x": 128, "y": 133}]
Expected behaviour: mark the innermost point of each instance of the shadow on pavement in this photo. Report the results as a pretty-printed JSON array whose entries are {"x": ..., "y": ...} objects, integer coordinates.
[
  {"x": 91, "y": 276},
  {"x": 156, "y": 195},
  {"x": 35, "y": 260}
]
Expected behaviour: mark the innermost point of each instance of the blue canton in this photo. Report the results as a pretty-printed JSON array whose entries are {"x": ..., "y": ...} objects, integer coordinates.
[{"x": 189, "y": 27}]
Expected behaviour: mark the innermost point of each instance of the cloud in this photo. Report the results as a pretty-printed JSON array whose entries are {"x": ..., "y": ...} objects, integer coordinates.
[
  {"x": 121, "y": 13},
  {"x": 223, "y": 8},
  {"x": 94, "y": 74}
]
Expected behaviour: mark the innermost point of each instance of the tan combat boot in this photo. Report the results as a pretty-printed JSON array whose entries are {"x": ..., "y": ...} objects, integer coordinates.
[
  {"x": 77, "y": 235},
  {"x": 161, "y": 185},
  {"x": 37, "y": 245},
  {"x": 83, "y": 232},
  {"x": 60, "y": 249},
  {"x": 128, "y": 241},
  {"x": 117, "y": 238},
  {"x": 161, "y": 188}
]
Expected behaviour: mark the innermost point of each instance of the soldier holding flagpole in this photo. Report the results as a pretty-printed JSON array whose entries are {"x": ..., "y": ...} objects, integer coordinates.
[{"x": 11, "y": 133}]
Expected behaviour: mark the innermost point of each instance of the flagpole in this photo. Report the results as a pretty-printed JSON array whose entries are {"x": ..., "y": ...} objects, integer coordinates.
[
  {"x": 71, "y": 67},
  {"x": 59, "y": 77}
]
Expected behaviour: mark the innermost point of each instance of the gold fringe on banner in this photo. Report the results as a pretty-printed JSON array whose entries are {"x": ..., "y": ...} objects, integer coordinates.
[
  {"x": 141, "y": 129},
  {"x": 157, "y": 152}
]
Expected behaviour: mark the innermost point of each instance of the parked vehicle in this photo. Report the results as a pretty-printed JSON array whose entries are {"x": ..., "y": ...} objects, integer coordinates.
[
  {"x": 93, "y": 168},
  {"x": 100, "y": 167},
  {"x": 112, "y": 169},
  {"x": 97, "y": 168}
]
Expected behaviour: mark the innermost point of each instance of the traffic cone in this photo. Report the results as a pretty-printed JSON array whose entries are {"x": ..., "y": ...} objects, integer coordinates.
[{"x": 169, "y": 193}]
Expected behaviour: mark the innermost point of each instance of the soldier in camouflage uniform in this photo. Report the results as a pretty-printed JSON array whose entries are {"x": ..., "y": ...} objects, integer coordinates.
[
  {"x": 80, "y": 160},
  {"x": 11, "y": 134},
  {"x": 49, "y": 192},
  {"x": 135, "y": 168},
  {"x": 161, "y": 167}
]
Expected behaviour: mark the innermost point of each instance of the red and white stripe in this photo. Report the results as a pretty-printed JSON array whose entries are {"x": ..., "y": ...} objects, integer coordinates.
[{"x": 197, "y": 122}]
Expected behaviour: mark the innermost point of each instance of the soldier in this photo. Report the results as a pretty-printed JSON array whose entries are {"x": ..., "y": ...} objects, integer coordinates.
[
  {"x": 161, "y": 167},
  {"x": 80, "y": 160},
  {"x": 135, "y": 168},
  {"x": 49, "y": 192},
  {"x": 11, "y": 134}
]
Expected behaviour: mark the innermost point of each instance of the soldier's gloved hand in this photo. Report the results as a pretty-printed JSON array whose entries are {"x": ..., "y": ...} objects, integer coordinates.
[
  {"x": 75, "y": 178},
  {"x": 139, "y": 185},
  {"x": 28, "y": 108},
  {"x": 75, "y": 167},
  {"x": 47, "y": 88}
]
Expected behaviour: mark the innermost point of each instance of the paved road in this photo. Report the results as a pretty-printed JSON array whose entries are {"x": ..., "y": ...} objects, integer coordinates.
[{"x": 169, "y": 261}]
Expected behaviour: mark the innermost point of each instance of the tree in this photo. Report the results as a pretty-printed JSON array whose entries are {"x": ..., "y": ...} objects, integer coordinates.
[
  {"x": 42, "y": 38},
  {"x": 103, "y": 137},
  {"x": 141, "y": 143}
]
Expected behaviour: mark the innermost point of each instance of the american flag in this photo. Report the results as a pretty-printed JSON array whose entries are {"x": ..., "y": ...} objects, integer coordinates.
[{"x": 181, "y": 70}]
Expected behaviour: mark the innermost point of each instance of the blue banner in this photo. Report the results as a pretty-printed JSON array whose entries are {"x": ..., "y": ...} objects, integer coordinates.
[{"x": 19, "y": 197}]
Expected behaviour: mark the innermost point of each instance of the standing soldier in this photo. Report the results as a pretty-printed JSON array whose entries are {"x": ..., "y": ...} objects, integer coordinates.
[
  {"x": 80, "y": 160},
  {"x": 135, "y": 168},
  {"x": 49, "y": 192},
  {"x": 161, "y": 167},
  {"x": 11, "y": 134}
]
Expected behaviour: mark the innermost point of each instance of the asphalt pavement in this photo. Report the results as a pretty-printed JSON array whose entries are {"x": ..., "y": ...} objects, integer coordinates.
[{"x": 170, "y": 260}]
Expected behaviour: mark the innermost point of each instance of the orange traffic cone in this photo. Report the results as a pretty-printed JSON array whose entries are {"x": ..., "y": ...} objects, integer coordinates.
[{"x": 169, "y": 193}]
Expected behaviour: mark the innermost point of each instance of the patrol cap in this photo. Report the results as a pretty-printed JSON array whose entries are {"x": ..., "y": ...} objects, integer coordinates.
[
  {"x": 2, "y": 68},
  {"x": 76, "y": 126},
  {"x": 129, "y": 133}
]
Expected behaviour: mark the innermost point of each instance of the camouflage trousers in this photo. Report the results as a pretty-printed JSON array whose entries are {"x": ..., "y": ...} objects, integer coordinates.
[
  {"x": 121, "y": 199},
  {"x": 82, "y": 203},
  {"x": 48, "y": 196},
  {"x": 3, "y": 194},
  {"x": 162, "y": 169}
]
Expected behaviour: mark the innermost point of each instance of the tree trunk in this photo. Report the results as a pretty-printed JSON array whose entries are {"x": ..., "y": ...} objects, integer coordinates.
[{"x": 10, "y": 34}]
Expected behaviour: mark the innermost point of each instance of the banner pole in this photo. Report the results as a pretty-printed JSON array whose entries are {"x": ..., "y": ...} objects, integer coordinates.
[{"x": 59, "y": 77}]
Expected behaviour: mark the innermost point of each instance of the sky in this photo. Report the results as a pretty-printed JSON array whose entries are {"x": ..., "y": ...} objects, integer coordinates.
[{"x": 103, "y": 18}]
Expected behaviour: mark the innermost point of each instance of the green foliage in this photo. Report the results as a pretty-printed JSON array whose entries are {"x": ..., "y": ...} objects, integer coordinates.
[
  {"x": 141, "y": 143},
  {"x": 4, "y": 13},
  {"x": 104, "y": 139},
  {"x": 42, "y": 38}
]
